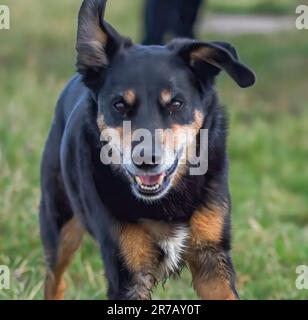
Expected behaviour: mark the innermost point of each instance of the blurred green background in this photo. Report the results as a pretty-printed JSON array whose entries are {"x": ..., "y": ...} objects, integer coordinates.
[{"x": 268, "y": 147}]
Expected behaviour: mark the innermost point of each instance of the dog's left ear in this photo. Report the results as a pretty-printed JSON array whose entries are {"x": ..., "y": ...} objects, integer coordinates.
[
  {"x": 97, "y": 41},
  {"x": 207, "y": 59}
]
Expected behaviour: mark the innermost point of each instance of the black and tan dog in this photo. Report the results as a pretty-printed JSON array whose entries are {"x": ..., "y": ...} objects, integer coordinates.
[{"x": 149, "y": 220}]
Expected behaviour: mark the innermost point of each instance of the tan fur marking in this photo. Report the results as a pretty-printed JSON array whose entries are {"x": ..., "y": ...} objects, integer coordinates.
[
  {"x": 118, "y": 141},
  {"x": 129, "y": 97},
  {"x": 136, "y": 247},
  {"x": 196, "y": 124},
  {"x": 207, "y": 225},
  {"x": 205, "y": 54},
  {"x": 59, "y": 295},
  {"x": 212, "y": 281},
  {"x": 70, "y": 240},
  {"x": 199, "y": 117},
  {"x": 165, "y": 97},
  {"x": 102, "y": 126},
  {"x": 91, "y": 35},
  {"x": 97, "y": 32},
  {"x": 101, "y": 122},
  {"x": 192, "y": 129},
  {"x": 214, "y": 289},
  {"x": 178, "y": 131},
  {"x": 202, "y": 53}
]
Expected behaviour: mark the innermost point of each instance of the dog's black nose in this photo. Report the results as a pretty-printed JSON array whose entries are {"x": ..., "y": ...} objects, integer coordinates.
[
  {"x": 146, "y": 159},
  {"x": 146, "y": 165}
]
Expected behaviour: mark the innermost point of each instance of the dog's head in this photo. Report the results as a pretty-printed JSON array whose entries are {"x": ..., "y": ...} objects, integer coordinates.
[{"x": 163, "y": 90}]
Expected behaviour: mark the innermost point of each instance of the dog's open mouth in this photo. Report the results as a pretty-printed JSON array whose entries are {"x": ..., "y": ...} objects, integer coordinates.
[
  {"x": 154, "y": 184},
  {"x": 150, "y": 183}
]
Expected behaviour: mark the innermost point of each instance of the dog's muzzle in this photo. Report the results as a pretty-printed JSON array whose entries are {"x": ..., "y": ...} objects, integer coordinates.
[{"x": 152, "y": 181}]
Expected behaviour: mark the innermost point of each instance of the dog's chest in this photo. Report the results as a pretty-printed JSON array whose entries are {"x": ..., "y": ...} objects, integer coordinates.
[
  {"x": 173, "y": 248},
  {"x": 172, "y": 242}
]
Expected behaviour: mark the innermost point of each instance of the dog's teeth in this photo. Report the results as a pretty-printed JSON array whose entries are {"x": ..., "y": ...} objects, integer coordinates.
[
  {"x": 138, "y": 180},
  {"x": 150, "y": 188}
]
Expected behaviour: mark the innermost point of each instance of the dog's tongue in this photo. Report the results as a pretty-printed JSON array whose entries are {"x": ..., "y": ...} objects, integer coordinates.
[{"x": 151, "y": 180}]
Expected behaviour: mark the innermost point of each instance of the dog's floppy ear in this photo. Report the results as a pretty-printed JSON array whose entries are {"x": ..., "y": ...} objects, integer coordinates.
[
  {"x": 209, "y": 58},
  {"x": 97, "y": 41}
]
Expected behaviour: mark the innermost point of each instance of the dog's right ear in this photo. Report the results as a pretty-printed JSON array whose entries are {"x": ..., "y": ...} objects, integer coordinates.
[{"x": 97, "y": 42}]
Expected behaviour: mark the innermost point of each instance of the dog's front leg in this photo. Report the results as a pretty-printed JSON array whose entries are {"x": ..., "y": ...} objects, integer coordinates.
[
  {"x": 213, "y": 275},
  {"x": 212, "y": 270},
  {"x": 141, "y": 259}
]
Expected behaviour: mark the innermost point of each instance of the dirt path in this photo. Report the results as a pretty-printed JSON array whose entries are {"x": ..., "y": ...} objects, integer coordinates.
[{"x": 240, "y": 24}]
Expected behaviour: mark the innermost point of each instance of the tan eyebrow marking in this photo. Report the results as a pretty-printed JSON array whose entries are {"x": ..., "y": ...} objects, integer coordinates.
[
  {"x": 165, "y": 97},
  {"x": 129, "y": 97}
]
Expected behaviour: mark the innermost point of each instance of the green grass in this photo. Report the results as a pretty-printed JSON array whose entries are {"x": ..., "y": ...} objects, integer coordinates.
[{"x": 268, "y": 149}]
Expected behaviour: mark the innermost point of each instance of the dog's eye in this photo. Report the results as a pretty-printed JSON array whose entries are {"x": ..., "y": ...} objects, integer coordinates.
[
  {"x": 120, "y": 106},
  {"x": 175, "y": 105}
]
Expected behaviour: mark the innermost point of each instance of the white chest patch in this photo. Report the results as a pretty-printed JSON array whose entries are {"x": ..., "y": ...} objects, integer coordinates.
[{"x": 173, "y": 248}]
